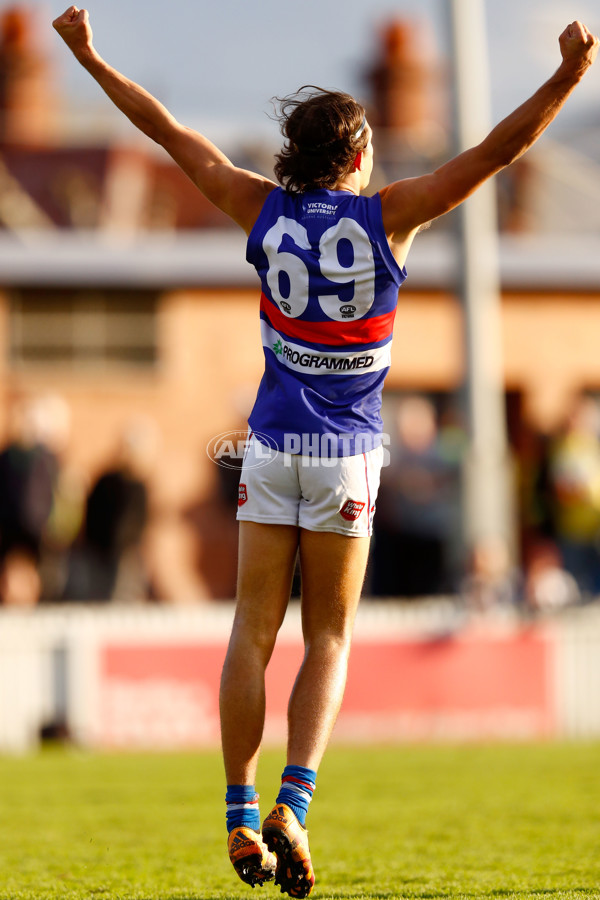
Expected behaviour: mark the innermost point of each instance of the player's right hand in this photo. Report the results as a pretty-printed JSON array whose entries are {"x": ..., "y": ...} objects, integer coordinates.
[
  {"x": 578, "y": 45},
  {"x": 75, "y": 29}
]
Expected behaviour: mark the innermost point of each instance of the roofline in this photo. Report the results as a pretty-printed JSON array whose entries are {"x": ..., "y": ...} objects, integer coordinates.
[{"x": 216, "y": 258}]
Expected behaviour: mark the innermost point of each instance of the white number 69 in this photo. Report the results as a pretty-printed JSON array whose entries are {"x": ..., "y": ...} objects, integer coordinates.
[{"x": 288, "y": 275}]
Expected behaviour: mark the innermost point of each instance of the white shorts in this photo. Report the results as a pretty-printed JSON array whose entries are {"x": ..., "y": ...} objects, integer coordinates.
[{"x": 315, "y": 493}]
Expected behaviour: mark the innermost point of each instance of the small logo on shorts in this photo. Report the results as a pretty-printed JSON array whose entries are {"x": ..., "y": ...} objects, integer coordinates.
[
  {"x": 242, "y": 494},
  {"x": 351, "y": 510}
]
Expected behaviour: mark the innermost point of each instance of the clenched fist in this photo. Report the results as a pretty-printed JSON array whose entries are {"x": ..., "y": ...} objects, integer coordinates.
[
  {"x": 578, "y": 45},
  {"x": 75, "y": 30}
]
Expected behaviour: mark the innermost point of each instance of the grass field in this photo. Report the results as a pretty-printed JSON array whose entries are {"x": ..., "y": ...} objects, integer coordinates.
[{"x": 431, "y": 822}]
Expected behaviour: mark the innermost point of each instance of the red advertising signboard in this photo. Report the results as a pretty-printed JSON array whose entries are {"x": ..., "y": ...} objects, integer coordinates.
[{"x": 472, "y": 685}]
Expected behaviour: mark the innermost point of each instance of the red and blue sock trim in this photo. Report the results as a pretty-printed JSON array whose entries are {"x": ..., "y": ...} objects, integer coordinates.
[
  {"x": 297, "y": 789},
  {"x": 242, "y": 807}
]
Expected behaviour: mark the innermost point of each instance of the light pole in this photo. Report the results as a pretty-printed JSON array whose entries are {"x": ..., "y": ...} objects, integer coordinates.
[{"x": 488, "y": 500}]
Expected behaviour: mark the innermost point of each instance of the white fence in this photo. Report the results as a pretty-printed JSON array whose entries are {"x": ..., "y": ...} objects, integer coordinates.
[{"x": 148, "y": 677}]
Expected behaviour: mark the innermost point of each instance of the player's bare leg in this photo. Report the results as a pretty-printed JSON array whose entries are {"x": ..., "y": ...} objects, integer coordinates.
[
  {"x": 267, "y": 555},
  {"x": 333, "y": 568}
]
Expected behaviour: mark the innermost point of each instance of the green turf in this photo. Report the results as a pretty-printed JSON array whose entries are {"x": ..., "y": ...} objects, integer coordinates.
[{"x": 432, "y": 822}]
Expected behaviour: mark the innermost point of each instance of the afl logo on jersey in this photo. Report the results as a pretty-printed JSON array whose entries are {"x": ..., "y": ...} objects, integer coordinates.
[
  {"x": 285, "y": 306},
  {"x": 347, "y": 311}
]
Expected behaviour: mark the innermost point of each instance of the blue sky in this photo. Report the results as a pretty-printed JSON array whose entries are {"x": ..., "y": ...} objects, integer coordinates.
[{"x": 217, "y": 64}]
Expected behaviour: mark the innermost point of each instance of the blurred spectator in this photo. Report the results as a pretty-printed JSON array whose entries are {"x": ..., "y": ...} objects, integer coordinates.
[
  {"x": 29, "y": 475},
  {"x": 20, "y": 583},
  {"x": 492, "y": 581},
  {"x": 417, "y": 508},
  {"x": 106, "y": 563},
  {"x": 215, "y": 527},
  {"x": 574, "y": 485},
  {"x": 548, "y": 586}
]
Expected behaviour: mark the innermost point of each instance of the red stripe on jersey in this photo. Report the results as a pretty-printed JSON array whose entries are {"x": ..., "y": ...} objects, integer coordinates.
[{"x": 360, "y": 331}]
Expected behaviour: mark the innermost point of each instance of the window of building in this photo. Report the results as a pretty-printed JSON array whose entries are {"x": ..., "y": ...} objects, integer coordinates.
[{"x": 83, "y": 328}]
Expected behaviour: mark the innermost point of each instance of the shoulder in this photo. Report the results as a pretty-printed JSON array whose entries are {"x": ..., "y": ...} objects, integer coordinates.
[
  {"x": 251, "y": 198},
  {"x": 274, "y": 200}
]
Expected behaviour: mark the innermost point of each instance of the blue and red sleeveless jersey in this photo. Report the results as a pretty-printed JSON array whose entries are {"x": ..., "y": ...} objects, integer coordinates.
[{"x": 329, "y": 294}]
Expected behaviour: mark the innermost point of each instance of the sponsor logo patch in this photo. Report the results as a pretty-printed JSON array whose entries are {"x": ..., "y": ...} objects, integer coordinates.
[
  {"x": 307, "y": 360},
  {"x": 319, "y": 209},
  {"x": 351, "y": 510},
  {"x": 242, "y": 494}
]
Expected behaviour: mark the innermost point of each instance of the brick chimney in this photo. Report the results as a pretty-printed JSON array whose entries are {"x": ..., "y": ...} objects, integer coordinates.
[
  {"x": 27, "y": 99},
  {"x": 405, "y": 83}
]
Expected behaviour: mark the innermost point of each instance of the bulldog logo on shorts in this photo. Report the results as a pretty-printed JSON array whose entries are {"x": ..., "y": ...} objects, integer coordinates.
[
  {"x": 242, "y": 494},
  {"x": 351, "y": 510}
]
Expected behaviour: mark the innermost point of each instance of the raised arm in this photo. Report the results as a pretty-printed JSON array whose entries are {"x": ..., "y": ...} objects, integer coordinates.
[
  {"x": 236, "y": 191},
  {"x": 411, "y": 203}
]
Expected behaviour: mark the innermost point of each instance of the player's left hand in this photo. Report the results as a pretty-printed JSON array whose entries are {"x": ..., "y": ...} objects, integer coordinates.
[{"x": 578, "y": 45}]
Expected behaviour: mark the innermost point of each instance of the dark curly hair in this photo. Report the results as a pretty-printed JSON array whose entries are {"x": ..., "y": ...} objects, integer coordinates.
[{"x": 320, "y": 128}]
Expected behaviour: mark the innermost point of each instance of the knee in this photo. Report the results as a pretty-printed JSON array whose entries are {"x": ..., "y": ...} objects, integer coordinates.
[
  {"x": 254, "y": 638},
  {"x": 329, "y": 643},
  {"x": 333, "y": 630}
]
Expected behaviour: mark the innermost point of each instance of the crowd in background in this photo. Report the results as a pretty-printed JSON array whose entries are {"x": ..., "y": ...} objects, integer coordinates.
[
  {"x": 418, "y": 547},
  {"x": 62, "y": 540},
  {"x": 564, "y": 509}
]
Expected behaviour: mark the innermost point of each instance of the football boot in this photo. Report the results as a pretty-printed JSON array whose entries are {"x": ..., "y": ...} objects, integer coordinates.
[
  {"x": 288, "y": 840},
  {"x": 250, "y": 856}
]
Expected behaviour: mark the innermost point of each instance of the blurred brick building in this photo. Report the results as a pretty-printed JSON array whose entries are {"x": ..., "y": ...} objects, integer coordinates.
[{"x": 124, "y": 291}]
